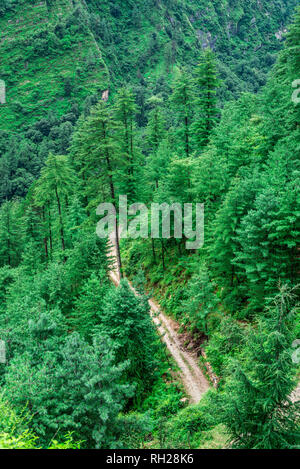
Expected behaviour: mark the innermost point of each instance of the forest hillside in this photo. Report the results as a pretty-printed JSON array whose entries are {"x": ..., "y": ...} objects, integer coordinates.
[{"x": 167, "y": 103}]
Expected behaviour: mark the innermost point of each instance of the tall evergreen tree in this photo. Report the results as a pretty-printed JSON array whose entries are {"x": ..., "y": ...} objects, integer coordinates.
[
  {"x": 88, "y": 309},
  {"x": 10, "y": 233},
  {"x": 256, "y": 405},
  {"x": 126, "y": 321},
  {"x": 69, "y": 386},
  {"x": 206, "y": 84},
  {"x": 156, "y": 124},
  {"x": 124, "y": 117},
  {"x": 182, "y": 98},
  {"x": 97, "y": 158},
  {"x": 56, "y": 182}
]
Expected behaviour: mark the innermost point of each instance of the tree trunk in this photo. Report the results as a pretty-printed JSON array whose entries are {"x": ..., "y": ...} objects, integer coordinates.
[
  {"x": 187, "y": 149},
  {"x": 163, "y": 253},
  {"x": 45, "y": 237},
  {"x": 50, "y": 231}
]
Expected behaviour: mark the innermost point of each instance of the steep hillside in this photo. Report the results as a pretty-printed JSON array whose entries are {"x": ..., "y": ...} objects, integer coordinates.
[
  {"x": 49, "y": 57},
  {"x": 81, "y": 362},
  {"x": 58, "y": 57},
  {"x": 58, "y": 52},
  {"x": 145, "y": 38}
]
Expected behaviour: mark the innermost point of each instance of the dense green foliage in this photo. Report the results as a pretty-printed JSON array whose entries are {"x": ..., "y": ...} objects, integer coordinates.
[
  {"x": 164, "y": 102},
  {"x": 255, "y": 403},
  {"x": 73, "y": 382},
  {"x": 59, "y": 56},
  {"x": 248, "y": 178},
  {"x": 15, "y": 433},
  {"x": 79, "y": 351}
]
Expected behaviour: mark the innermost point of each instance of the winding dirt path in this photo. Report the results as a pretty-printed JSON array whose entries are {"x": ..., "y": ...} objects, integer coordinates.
[
  {"x": 193, "y": 379},
  {"x": 296, "y": 394}
]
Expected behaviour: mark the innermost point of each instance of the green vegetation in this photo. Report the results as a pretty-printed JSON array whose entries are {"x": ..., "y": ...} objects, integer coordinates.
[
  {"x": 59, "y": 56},
  {"x": 166, "y": 102},
  {"x": 255, "y": 406},
  {"x": 15, "y": 433},
  {"x": 72, "y": 338}
]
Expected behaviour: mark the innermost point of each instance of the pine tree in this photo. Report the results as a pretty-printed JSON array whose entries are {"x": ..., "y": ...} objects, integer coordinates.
[
  {"x": 10, "y": 233},
  {"x": 156, "y": 124},
  {"x": 88, "y": 256},
  {"x": 201, "y": 300},
  {"x": 224, "y": 241},
  {"x": 156, "y": 162},
  {"x": 177, "y": 181},
  {"x": 56, "y": 182},
  {"x": 76, "y": 216},
  {"x": 126, "y": 321},
  {"x": 123, "y": 117},
  {"x": 292, "y": 52},
  {"x": 255, "y": 404},
  {"x": 88, "y": 308},
  {"x": 96, "y": 156},
  {"x": 69, "y": 386},
  {"x": 157, "y": 166},
  {"x": 182, "y": 98},
  {"x": 268, "y": 238},
  {"x": 206, "y": 84}
]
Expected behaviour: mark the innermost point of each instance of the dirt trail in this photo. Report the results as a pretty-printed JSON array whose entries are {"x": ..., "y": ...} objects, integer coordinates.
[
  {"x": 296, "y": 394},
  {"x": 192, "y": 377}
]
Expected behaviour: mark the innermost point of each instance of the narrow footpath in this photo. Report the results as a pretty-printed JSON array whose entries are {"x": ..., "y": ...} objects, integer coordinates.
[{"x": 193, "y": 379}]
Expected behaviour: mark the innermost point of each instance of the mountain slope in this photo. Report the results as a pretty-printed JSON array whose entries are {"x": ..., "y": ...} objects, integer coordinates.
[
  {"x": 49, "y": 57},
  {"x": 147, "y": 37},
  {"x": 58, "y": 57},
  {"x": 58, "y": 52}
]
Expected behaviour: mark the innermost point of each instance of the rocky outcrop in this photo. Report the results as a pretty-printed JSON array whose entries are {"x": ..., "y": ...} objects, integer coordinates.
[{"x": 206, "y": 39}]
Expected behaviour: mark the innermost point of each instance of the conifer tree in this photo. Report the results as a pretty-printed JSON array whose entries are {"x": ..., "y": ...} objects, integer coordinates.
[
  {"x": 126, "y": 321},
  {"x": 224, "y": 240},
  {"x": 256, "y": 405},
  {"x": 97, "y": 157},
  {"x": 182, "y": 98},
  {"x": 89, "y": 306},
  {"x": 206, "y": 84},
  {"x": 155, "y": 135},
  {"x": 57, "y": 180},
  {"x": 156, "y": 124},
  {"x": 157, "y": 166},
  {"x": 36, "y": 243},
  {"x": 268, "y": 238},
  {"x": 291, "y": 51},
  {"x": 124, "y": 117},
  {"x": 69, "y": 385},
  {"x": 76, "y": 216},
  {"x": 88, "y": 256},
  {"x": 201, "y": 300},
  {"x": 10, "y": 233}
]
